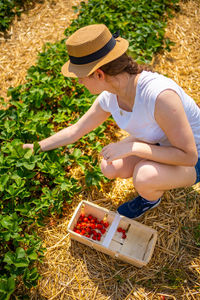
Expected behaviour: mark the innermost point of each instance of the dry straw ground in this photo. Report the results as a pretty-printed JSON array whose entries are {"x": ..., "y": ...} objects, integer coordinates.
[
  {"x": 45, "y": 22},
  {"x": 73, "y": 271}
]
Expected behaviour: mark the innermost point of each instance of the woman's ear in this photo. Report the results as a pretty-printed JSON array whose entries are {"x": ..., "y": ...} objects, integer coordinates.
[{"x": 99, "y": 74}]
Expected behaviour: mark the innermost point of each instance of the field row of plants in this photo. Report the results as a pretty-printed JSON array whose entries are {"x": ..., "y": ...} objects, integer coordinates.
[{"x": 34, "y": 186}]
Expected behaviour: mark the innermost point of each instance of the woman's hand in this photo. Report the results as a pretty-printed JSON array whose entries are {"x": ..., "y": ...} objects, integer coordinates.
[
  {"x": 28, "y": 146},
  {"x": 117, "y": 150}
]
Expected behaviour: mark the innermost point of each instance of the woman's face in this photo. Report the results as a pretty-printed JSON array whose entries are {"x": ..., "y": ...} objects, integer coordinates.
[
  {"x": 95, "y": 83},
  {"x": 87, "y": 82}
]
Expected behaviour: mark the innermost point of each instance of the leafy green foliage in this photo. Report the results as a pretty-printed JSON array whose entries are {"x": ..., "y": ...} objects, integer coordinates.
[
  {"x": 7, "y": 287},
  {"x": 34, "y": 186},
  {"x": 142, "y": 22}
]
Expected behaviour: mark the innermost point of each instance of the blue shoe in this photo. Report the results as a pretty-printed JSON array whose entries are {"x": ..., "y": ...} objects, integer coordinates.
[{"x": 137, "y": 207}]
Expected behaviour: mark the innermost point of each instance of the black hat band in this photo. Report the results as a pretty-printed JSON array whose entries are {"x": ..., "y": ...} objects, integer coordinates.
[{"x": 96, "y": 55}]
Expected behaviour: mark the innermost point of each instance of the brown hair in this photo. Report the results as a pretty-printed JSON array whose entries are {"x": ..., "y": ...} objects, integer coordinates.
[{"x": 123, "y": 63}]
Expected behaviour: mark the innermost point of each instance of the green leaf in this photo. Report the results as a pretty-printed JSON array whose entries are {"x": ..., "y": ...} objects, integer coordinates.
[
  {"x": 36, "y": 147},
  {"x": 20, "y": 253},
  {"x": 31, "y": 277},
  {"x": 77, "y": 153},
  {"x": 9, "y": 258},
  {"x": 32, "y": 254},
  {"x": 11, "y": 284},
  {"x": 7, "y": 222},
  {"x": 28, "y": 153},
  {"x": 64, "y": 186},
  {"x": 3, "y": 181},
  {"x": 7, "y": 287},
  {"x": 29, "y": 166},
  {"x": 21, "y": 263}
]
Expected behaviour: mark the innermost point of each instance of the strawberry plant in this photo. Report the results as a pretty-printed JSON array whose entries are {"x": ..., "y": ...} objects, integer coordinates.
[
  {"x": 34, "y": 186},
  {"x": 142, "y": 22}
]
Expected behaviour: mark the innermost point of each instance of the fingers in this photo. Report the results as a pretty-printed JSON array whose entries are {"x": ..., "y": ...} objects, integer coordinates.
[
  {"x": 27, "y": 146},
  {"x": 107, "y": 157},
  {"x": 106, "y": 151},
  {"x": 105, "y": 154}
]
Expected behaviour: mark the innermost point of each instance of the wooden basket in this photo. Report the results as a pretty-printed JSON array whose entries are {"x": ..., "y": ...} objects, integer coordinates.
[{"x": 136, "y": 249}]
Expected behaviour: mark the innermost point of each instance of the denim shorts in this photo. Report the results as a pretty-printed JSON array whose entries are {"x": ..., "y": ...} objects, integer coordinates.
[{"x": 197, "y": 168}]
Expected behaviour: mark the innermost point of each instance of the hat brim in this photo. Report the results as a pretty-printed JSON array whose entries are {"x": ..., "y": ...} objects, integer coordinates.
[{"x": 72, "y": 70}]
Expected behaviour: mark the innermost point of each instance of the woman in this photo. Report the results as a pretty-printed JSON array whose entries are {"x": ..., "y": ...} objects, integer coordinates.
[{"x": 162, "y": 150}]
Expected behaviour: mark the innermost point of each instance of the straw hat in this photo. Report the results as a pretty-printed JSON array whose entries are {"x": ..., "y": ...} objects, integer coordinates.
[{"x": 91, "y": 47}]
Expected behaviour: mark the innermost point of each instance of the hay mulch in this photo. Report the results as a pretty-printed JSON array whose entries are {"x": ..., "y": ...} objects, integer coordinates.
[
  {"x": 183, "y": 63},
  {"x": 43, "y": 23},
  {"x": 73, "y": 271}
]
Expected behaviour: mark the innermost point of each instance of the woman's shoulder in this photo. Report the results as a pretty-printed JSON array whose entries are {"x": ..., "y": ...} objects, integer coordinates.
[
  {"x": 107, "y": 96},
  {"x": 147, "y": 77},
  {"x": 107, "y": 100},
  {"x": 153, "y": 83}
]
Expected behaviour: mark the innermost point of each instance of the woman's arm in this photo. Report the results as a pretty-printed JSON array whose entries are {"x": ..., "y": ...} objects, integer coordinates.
[
  {"x": 89, "y": 121},
  {"x": 171, "y": 117}
]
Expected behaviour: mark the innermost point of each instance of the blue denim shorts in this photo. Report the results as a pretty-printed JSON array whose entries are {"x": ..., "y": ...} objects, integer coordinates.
[{"x": 197, "y": 168}]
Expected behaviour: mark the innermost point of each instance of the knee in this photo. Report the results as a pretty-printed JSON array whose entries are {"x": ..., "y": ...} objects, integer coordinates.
[
  {"x": 108, "y": 170},
  {"x": 143, "y": 177}
]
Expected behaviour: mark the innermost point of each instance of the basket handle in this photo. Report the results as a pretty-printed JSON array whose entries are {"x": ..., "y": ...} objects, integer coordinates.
[{"x": 111, "y": 231}]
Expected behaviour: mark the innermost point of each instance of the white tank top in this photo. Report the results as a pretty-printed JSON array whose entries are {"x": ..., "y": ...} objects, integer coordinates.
[{"x": 140, "y": 122}]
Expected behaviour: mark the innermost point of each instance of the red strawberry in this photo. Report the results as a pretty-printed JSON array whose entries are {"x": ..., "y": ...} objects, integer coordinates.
[
  {"x": 99, "y": 226},
  {"x": 119, "y": 229},
  {"x": 106, "y": 224},
  {"x": 103, "y": 231}
]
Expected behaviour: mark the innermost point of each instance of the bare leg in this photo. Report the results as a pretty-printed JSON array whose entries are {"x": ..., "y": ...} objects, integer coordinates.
[
  {"x": 151, "y": 179},
  {"x": 122, "y": 168}
]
